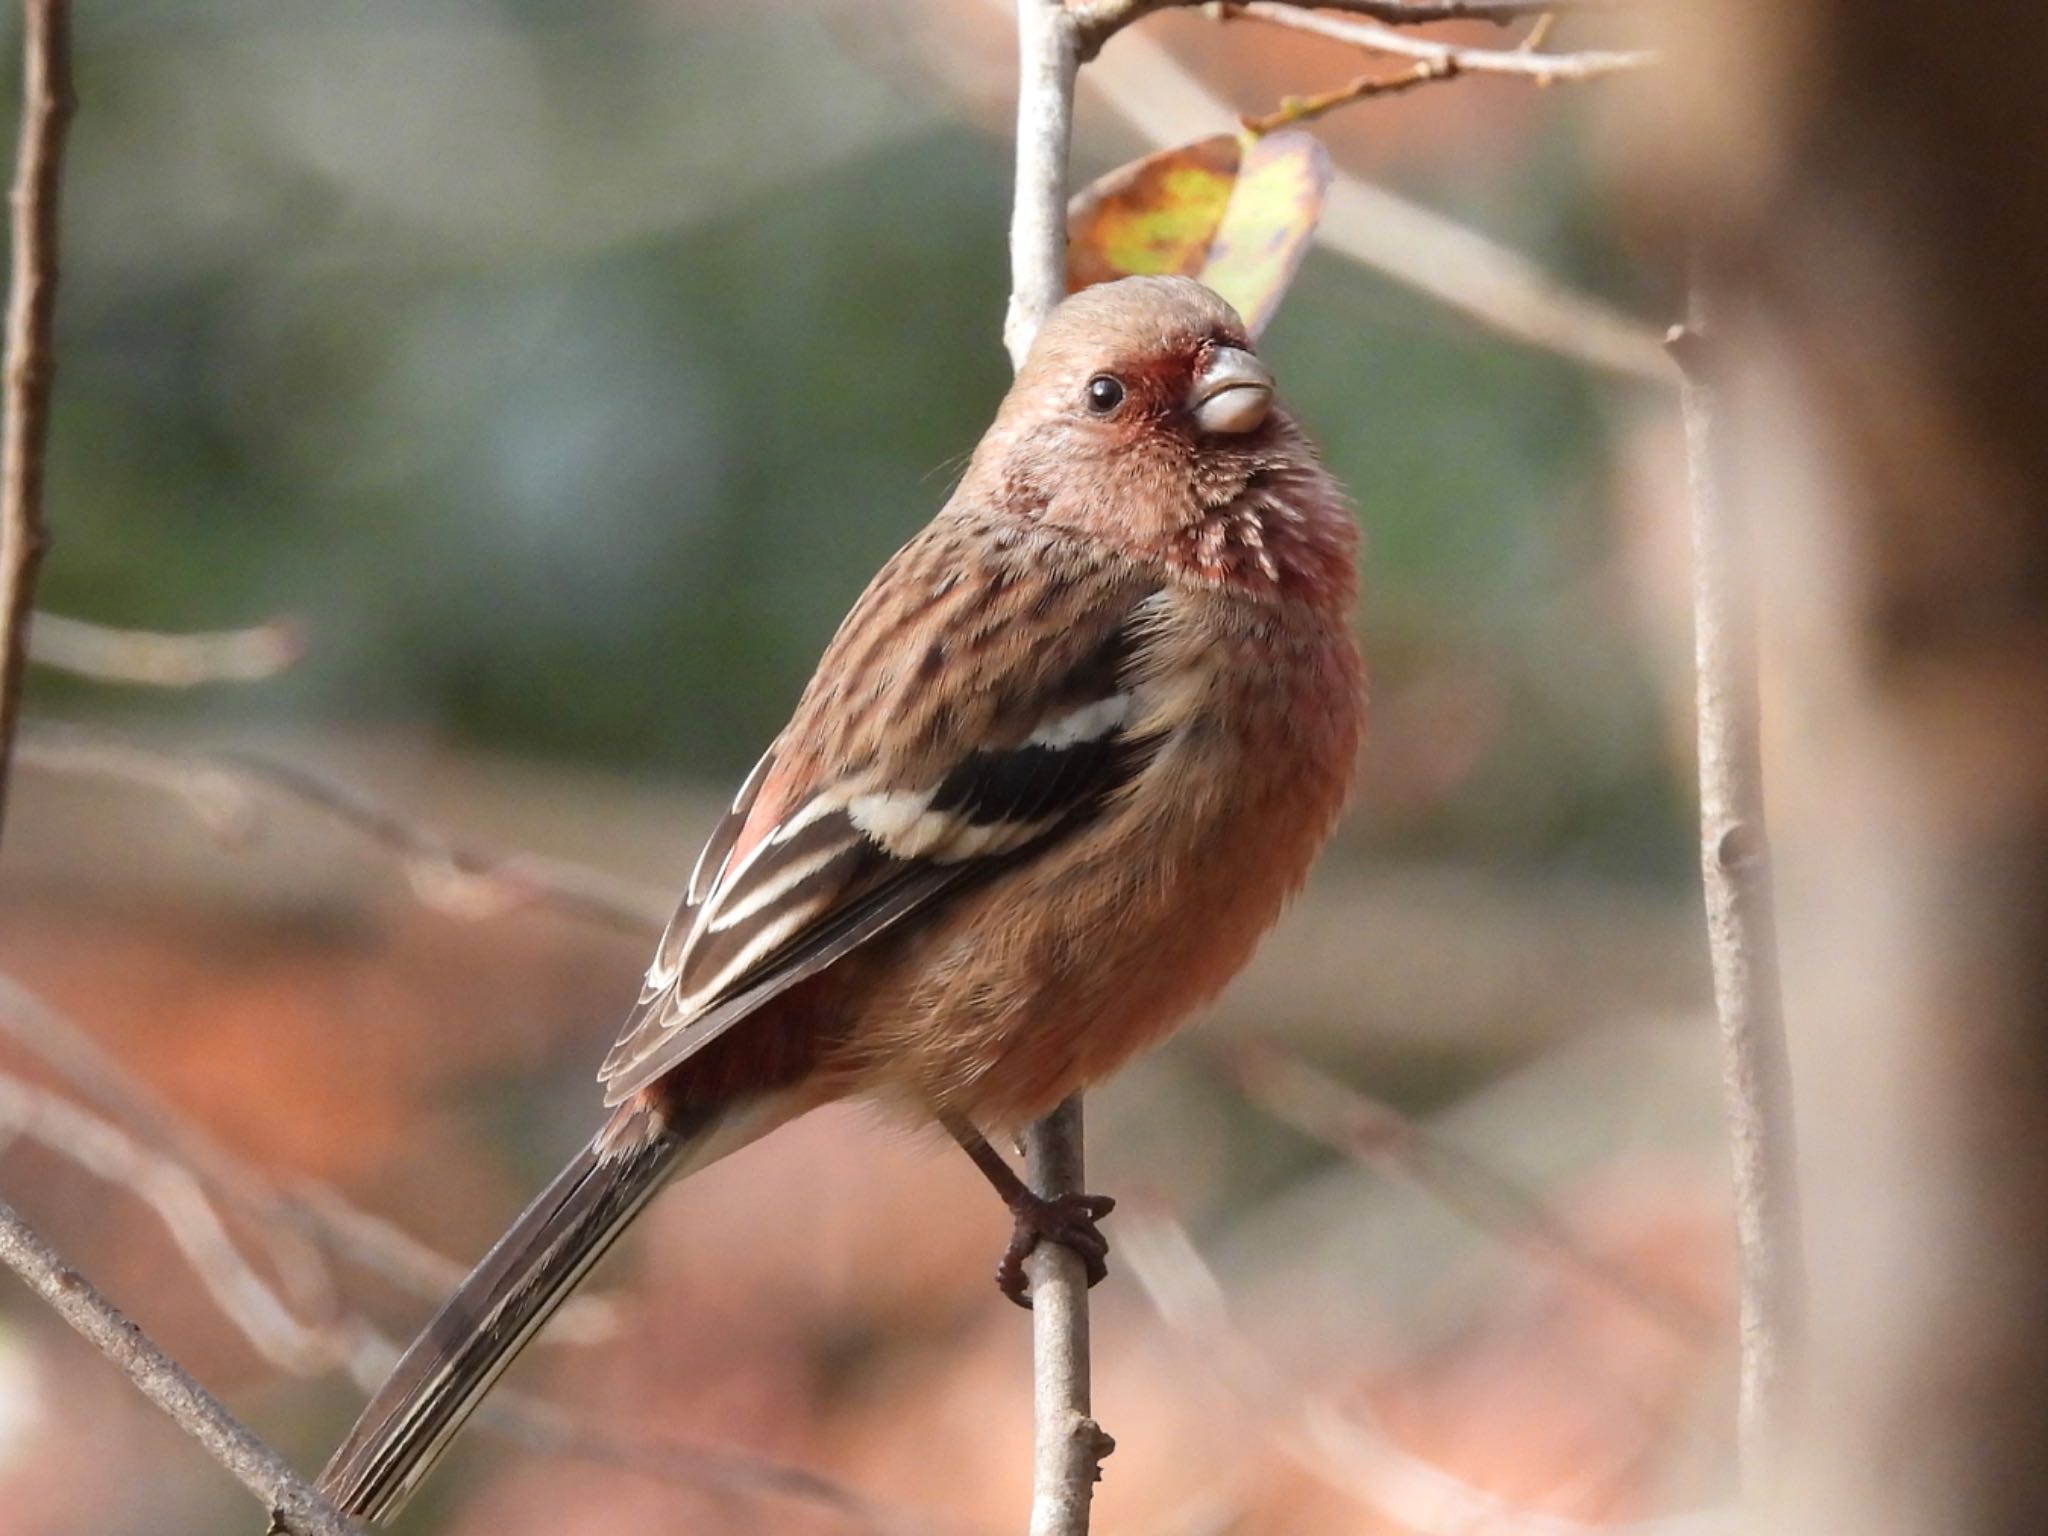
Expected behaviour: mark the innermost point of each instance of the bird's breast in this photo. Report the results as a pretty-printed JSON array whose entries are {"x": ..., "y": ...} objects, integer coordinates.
[{"x": 1052, "y": 977}]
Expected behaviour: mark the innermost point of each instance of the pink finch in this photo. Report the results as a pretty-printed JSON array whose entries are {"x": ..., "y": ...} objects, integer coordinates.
[{"x": 1056, "y": 774}]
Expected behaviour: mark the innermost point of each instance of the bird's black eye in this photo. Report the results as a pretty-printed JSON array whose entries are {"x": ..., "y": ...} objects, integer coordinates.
[{"x": 1105, "y": 394}]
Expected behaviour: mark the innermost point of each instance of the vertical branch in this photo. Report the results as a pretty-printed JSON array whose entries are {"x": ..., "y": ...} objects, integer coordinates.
[
  {"x": 1048, "y": 58},
  {"x": 1069, "y": 1444},
  {"x": 294, "y": 1506},
  {"x": 46, "y": 104},
  {"x": 1741, "y": 925},
  {"x": 46, "y": 107}
]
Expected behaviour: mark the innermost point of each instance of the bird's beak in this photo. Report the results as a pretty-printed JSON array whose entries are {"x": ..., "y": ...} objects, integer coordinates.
[{"x": 1232, "y": 393}]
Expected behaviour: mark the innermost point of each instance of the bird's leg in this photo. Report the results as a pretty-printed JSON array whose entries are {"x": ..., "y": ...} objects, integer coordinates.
[{"x": 1066, "y": 1219}]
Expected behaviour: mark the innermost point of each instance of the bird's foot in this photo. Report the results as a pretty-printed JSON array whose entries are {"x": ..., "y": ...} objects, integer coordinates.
[{"x": 1069, "y": 1220}]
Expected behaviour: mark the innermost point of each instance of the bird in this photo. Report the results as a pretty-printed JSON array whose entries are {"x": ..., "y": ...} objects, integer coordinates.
[{"x": 1055, "y": 775}]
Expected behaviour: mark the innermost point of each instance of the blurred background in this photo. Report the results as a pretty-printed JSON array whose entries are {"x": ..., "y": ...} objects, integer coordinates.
[{"x": 560, "y": 373}]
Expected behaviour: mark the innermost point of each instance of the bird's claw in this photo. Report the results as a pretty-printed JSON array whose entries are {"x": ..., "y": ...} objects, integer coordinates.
[{"x": 1069, "y": 1220}]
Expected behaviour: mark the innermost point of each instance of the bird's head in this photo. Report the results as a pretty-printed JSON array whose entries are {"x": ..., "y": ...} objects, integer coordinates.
[
  {"x": 1145, "y": 357},
  {"x": 1143, "y": 418}
]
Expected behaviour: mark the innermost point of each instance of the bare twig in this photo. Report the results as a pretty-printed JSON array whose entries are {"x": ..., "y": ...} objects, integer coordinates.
[
  {"x": 295, "y": 1506},
  {"x": 46, "y": 105},
  {"x": 1416, "y": 247},
  {"x": 301, "y": 1225},
  {"x": 463, "y": 879},
  {"x": 1542, "y": 68},
  {"x": 174, "y": 1192},
  {"x": 1742, "y": 938},
  {"x": 1097, "y": 21},
  {"x": 1417, "y": 13},
  {"x": 151, "y": 659},
  {"x": 1070, "y": 1445},
  {"x": 1381, "y": 1136},
  {"x": 248, "y": 1302},
  {"x": 1302, "y": 109}
]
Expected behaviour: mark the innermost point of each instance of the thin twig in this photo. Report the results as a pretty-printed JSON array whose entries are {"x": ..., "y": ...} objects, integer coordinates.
[
  {"x": 1438, "y": 257},
  {"x": 1302, "y": 109},
  {"x": 155, "y": 659},
  {"x": 463, "y": 879},
  {"x": 1069, "y": 1444},
  {"x": 1432, "y": 62},
  {"x": 1418, "y": 13},
  {"x": 262, "y": 1317},
  {"x": 175, "y": 1193},
  {"x": 1742, "y": 940},
  {"x": 294, "y": 1504},
  {"x": 1380, "y": 1136},
  {"x": 46, "y": 106},
  {"x": 1542, "y": 68},
  {"x": 301, "y": 1225},
  {"x": 1095, "y": 22}
]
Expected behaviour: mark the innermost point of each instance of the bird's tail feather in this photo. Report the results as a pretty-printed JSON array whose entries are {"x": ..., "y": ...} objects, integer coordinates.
[{"x": 527, "y": 1274}]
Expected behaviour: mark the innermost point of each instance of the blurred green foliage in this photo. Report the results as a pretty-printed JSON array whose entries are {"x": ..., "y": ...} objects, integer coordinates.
[{"x": 568, "y": 369}]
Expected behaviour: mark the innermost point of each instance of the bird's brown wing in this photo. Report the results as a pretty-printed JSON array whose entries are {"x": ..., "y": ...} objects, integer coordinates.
[{"x": 887, "y": 795}]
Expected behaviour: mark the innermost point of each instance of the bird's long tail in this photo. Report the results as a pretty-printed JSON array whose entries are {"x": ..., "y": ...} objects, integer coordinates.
[{"x": 527, "y": 1274}]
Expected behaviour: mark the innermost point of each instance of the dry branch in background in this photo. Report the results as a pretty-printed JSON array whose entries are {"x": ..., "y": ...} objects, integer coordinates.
[
  {"x": 467, "y": 880},
  {"x": 153, "y": 659},
  {"x": 180, "y": 1201},
  {"x": 304, "y": 1226},
  {"x": 1335, "y": 1443},
  {"x": 1450, "y": 58},
  {"x": 295, "y": 1506},
  {"x": 1415, "y": 13},
  {"x": 180, "y": 1178},
  {"x": 1381, "y": 1136},
  {"x": 1875, "y": 259},
  {"x": 1742, "y": 938},
  {"x": 1096, "y": 21},
  {"x": 46, "y": 105}
]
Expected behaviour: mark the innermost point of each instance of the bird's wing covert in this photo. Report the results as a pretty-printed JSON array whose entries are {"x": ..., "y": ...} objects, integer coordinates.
[{"x": 894, "y": 789}]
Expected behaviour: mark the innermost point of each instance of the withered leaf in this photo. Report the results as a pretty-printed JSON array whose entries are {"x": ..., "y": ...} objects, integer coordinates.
[{"x": 1235, "y": 211}]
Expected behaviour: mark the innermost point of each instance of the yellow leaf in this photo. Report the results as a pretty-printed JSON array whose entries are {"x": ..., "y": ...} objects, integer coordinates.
[{"x": 1238, "y": 213}]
